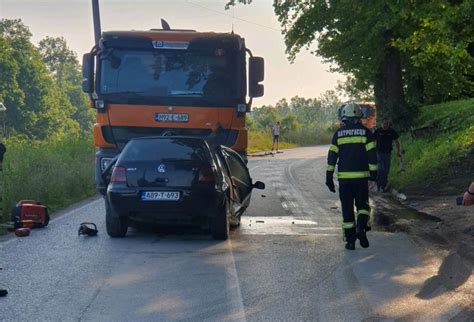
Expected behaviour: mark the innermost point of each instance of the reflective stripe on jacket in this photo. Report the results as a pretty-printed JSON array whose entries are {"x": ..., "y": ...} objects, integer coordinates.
[{"x": 353, "y": 151}]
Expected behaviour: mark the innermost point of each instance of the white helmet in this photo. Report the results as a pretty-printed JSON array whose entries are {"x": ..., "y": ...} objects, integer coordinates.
[{"x": 350, "y": 111}]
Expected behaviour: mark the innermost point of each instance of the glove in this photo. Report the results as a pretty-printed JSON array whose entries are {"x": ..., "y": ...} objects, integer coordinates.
[
  {"x": 330, "y": 182},
  {"x": 331, "y": 186}
]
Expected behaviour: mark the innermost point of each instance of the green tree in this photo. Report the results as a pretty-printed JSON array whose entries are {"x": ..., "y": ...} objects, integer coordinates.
[
  {"x": 63, "y": 64},
  {"x": 41, "y": 110},
  {"x": 60, "y": 60},
  {"x": 401, "y": 50},
  {"x": 353, "y": 91},
  {"x": 10, "y": 91},
  {"x": 330, "y": 103},
  {"x": 438, "y": 50},
  {"x": 265, "y": 117},
  {"x": 282, "y": 107},
  {"x": 289, "y": 123}
]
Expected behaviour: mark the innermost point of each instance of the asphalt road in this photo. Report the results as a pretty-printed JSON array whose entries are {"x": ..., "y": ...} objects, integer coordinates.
[{"x": 286, "y": 262}]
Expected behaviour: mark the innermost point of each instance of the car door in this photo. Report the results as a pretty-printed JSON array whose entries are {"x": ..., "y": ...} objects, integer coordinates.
[{"x": 239, "y": 175}]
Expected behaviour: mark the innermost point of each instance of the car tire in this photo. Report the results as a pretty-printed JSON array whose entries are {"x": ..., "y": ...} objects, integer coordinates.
[
  {"x": 116, "y": 226},
  {"x": 221, "y": 225}
]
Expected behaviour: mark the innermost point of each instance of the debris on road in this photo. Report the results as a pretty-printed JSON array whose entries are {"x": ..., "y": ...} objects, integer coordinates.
[
  {"x": 260, "y": 221},
  {"x": 87, "y": 228},
  {"x": 264, "y": 196},
  {"x": 3, "y": 292},
  {"x": 30, "y": 214},
  {"x": 22, "y": 232}
]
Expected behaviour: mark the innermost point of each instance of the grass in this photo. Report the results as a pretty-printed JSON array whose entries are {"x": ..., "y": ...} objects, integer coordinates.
[
  {"x": 308, "y": 136},
  {"x": 56, "y": 172},
  {"x": 444, "y": 153},
  {"x": 259, "y": 141}
]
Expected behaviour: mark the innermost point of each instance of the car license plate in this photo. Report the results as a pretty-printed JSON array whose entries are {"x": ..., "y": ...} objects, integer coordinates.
[
  {"x": 160, "y": 195},
  {"x": 171, "y": 117}
]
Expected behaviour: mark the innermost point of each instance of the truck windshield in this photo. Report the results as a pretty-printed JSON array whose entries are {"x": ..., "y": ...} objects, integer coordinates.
[
  {"x": 176, "y": 149},
  {"x": 170, "y": 75}
]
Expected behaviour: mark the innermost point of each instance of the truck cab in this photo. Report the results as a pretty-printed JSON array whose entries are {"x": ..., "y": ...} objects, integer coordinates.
[{"x": 169, "y": 82}]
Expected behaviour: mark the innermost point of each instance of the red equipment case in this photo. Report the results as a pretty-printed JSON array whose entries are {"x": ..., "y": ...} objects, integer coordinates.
[{"x": 30, "y": 213}]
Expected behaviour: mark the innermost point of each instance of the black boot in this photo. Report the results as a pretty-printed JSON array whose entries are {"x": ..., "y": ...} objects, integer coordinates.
[
  {"x": 362, "y": 236},
  {"x": 350, "y": 245},
  {"x": 362, "y": 229},
  {"x": 350, "y": 237}
]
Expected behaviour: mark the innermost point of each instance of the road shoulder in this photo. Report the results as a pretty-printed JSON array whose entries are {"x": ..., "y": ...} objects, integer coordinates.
[{"x": 443, "y": 230}]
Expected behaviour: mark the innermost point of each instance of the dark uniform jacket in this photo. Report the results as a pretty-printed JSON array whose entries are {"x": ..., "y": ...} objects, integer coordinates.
[{"x": 353, "y": 150}]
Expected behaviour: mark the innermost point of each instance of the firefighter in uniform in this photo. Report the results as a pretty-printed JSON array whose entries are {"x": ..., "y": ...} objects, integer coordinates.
[{"x": 353, "y": 149}]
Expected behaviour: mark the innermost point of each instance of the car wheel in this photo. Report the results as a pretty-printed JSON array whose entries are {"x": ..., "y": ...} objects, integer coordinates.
[
  {"x": 221, "y": 226},
  {"x": 116, "y": 226}
]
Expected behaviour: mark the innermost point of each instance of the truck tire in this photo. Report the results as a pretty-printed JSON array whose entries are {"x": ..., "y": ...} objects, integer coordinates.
[
  {"x": 116, "y": 226},
  {"x": 221, "y": 225}
]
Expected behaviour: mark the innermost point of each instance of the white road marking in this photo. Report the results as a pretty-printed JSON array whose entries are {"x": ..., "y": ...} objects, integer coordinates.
[{"x": 240, "y": 314}]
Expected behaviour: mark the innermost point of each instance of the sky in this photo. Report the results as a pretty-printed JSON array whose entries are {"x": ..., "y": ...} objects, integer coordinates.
[{"x": 257, "y": 23}]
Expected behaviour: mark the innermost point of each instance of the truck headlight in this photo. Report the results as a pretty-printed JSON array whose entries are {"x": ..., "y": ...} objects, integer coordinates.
[{"x": 104, "y": 163}]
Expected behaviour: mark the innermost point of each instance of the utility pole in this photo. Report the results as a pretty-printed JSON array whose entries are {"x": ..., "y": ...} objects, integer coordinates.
[{"x": 96, "y": 19}]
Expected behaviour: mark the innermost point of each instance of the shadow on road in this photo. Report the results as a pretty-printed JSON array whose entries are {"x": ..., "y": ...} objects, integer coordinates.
[{"x": 453, "y": 272}]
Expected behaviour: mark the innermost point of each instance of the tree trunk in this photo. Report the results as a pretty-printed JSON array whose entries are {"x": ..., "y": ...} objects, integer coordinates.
[
  {"x": 395, "y": 97},
  {"x": 388, "y": 87}
]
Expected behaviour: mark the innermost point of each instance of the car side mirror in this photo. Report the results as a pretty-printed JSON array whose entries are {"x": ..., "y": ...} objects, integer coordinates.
[
  {"x": 88, "y": 73},
  {"x": 256, "y": 75},
  {"x": 259, "y": 185}
]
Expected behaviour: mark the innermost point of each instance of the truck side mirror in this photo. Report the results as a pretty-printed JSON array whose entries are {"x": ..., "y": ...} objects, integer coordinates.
[
  {"x": 256, "y": 75},
  {"x": 88, "y": 73}
]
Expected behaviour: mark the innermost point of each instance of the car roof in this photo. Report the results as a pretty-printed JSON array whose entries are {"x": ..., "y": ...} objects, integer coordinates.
[{"x": 168, "y": 138}]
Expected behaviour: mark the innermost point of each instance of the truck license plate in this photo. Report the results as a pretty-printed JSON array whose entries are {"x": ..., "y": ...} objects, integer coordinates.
[
  {"x": 160, "y": 195},
  {"x": 171, "y": 117}
]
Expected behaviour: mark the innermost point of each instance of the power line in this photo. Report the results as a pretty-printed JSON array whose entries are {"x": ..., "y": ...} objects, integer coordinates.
[{"x": 230, "y": 16}]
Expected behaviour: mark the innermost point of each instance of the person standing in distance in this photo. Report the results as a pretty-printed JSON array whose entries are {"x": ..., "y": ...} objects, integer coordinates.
[
  {"x": 276, "y": 135},
  {"x": 384, "y": 136},
  {"x": 353, "y": 150}
]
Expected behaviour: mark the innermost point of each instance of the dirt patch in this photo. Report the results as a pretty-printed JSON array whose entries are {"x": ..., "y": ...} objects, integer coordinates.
[
  {"x": 437, "y": 221},
  {"x": 457, "y": 226}
]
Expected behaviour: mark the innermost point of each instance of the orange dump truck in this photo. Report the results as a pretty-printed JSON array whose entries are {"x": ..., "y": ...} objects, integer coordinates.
[
  {"x": 369, "y": 114},
  {"x": 169, "y": 82}
]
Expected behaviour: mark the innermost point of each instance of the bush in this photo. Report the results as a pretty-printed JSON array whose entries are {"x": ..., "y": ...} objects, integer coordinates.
[{"x": 56, "y": 172}]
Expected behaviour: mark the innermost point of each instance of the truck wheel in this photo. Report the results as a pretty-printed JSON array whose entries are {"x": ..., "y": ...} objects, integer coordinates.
[
  {"x": 220, "y": 227},
  {"x": 116, "y": 226}
]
